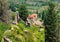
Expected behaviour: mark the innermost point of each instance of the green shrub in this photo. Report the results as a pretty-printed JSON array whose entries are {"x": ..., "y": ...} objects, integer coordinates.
[
  {"x": 25, "y": 34},
  {"x": 3, "y": 28}
]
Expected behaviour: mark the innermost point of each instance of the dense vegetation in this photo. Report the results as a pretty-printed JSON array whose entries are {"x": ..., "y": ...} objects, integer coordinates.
[
  {"x": 13, "y": 15},
  {"x": 3, "y": 28},
  {"x": 20, "y": 32},
  {"x": 4, "y": 13},
  {"x": 23, "y": 12},
  {"x": 51, "y": 23}
]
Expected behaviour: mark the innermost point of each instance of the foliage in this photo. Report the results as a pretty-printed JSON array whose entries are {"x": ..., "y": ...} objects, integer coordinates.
[
  {"x": 13, "y": 15},
  {"x": 23, "y": 12},
  {"x": 4, "y": 14},
  {"x": 22, "y": 33},
  {"x": 50, "y": 23},
  {"x": 14, "y": 6},
  {"x": 3, "y": 28}
]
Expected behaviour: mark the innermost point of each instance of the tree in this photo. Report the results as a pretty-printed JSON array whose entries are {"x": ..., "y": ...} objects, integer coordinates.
[
  {"x": 23, "y": 12},
  {"x": 13, "y": 6},
  {"x": 51, "y": 23},
  {"x": 43, "y": 15},
  {"x": 4, "y": 14}
]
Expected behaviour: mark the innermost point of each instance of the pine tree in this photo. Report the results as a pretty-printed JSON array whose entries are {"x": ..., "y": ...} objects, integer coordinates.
[{"x": 51, "y": 22}]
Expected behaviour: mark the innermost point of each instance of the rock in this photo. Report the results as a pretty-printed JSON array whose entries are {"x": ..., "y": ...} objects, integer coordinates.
[{"x": 6, "y": 39}]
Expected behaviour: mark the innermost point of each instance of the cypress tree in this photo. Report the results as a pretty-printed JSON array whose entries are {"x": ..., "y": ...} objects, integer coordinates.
[
  {"x": 51, "y": 23},
  {"x": 23, "y": 12}
]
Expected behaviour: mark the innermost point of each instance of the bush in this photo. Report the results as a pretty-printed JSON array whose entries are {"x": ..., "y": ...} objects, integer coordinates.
[{"x": 25, "y": 34}]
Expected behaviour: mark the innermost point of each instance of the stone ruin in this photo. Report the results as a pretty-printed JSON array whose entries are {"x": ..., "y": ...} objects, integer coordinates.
[
  {"x": 33, "y": 19},
  {"x": 17, "y": 18}
]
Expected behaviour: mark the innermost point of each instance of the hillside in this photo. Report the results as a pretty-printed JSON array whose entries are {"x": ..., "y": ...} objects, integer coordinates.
[
  {"x": 29, "y": 20},
  {"x": 32, "y": 5}
]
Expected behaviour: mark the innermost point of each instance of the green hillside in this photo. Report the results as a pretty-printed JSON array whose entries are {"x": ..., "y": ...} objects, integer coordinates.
[{"x": 32, "y": 5}]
